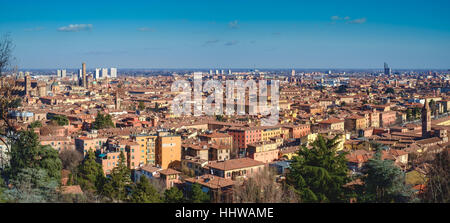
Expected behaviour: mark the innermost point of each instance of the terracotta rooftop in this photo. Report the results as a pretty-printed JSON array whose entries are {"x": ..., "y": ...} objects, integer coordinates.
[
  {"x": 211, "y": 181},
  {"x": 169, "y": 171},
  {"x": 235, "y": 164},
  {"x": 331, "y": 121}
]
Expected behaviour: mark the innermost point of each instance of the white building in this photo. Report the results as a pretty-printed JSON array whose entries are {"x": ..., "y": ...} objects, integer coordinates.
[
  {"x": 104, "y": 72},
  {"x": 113, "y": 73},
  {"x": 97, "y": 73}
]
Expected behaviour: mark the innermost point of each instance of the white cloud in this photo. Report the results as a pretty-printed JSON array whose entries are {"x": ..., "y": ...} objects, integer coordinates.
[
  {"x": 335, "y": 18},
  {"x": 231, "y": 43},
  {"x": 75, "y": 28},
  {"x": 209, "y": 42},
  {"x": 358, "y": 21},
  {"x": 233, "y": 24},
  {"x": 145, "y": 29}
]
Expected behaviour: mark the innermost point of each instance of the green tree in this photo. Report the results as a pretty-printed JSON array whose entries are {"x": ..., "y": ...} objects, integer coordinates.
[
  {"x": 342, "y": 89},
  {"x": 433, "y": 106},
  {"x": 197, "y": 195},
  {"x": 220, "y": 118},
  {"x": 117, "y": 184},
  {"x": 141, "y": 106},
  {"x": 26, "y": 152},
  {"x": 409, "y": 115},
  {"x": 35, "y": 124},
  {"x": 32, "y": 185},
  {"x": 319, "y": 173},
  {"x": 144, "y": 192},
  {"x": 389, "y": 91},
  {"x": 103, "y": 121},
  {"x": 383, "y": 182},
  {"x": 416, "y": 112},
  {"x": 173, "y": 195},
  {"x": 60, "y": 120},
  {"x": 90, "y": 173},
  {"x": 2, "y": 188}
]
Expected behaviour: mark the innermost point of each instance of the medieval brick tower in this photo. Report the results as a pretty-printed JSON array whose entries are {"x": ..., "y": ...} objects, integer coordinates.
[{"x": 426, "y": 120}]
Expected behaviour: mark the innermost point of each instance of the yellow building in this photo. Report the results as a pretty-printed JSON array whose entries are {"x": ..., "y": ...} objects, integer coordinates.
[
  {"x": 168, "y": 150},
  {"x": 270, "y": 132},
  {"x": 147, "y": 144}
]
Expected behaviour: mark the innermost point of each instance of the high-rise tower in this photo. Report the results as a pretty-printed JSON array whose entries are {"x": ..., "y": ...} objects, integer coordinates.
[
  {"x": 84, "y": 81},
  {"x": 426, "y": 120},
  {"x": 387, "y": 70}
]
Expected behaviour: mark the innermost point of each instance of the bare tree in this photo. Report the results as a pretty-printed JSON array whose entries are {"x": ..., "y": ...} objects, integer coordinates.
[
  {"x": 6, "y": 47},
  {"x": 263, "y": 188},
  {"x": 70, "y": 159},
  {"x": 437, "y": 187},
  {"x": 7, "y": 99}
]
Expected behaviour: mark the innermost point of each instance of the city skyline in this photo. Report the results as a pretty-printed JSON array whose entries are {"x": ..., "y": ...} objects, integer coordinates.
[{"x": 229, "y": 34}]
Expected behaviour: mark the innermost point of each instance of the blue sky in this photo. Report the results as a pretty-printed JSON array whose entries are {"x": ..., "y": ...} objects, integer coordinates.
[{"x": 228, "y": 33}]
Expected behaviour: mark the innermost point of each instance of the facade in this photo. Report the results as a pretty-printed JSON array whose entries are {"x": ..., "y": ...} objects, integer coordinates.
[
  {"x": 147, "y": 143},
  {"x": 168, "y": 150},
  {"x": 242, "y": 136},
  {"x": 270, "y": 132},
  {"x": 387, "y": 118},
  {"x": 332, "y": 124},
  {"x": 298, "y": 131},
  {"x": 170, "y": 177},
  {"x": 219, "y": 152},
  {"x": 354, "y": 123},
  {"x": 265, "y": 152},
  {"x": 236, "y": 168},
  {"x": 85, "y": 144},
  {"x": 59, "y": 143}
]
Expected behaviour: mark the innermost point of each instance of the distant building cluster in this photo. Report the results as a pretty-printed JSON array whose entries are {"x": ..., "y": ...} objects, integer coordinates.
[{"x": 406, "y": 113}]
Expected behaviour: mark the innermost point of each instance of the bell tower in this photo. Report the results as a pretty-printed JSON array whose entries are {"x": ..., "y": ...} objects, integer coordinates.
[{"x": 426, "y": 120}]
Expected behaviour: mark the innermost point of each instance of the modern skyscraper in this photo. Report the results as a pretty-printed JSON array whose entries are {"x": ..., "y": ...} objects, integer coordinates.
[
  {"x": 97, "y": 73},
  {"x": 293, "y": 72},
  {"x": 58, "y": 73},
  {"x": 113, "y": 72},
  {"x": 104, "y": 72},
  {"x": 229, "y": 72},
  {"x": 63, "y": 73},
  {"x": 387, "y": 70},
  {"x": 426, "y": 120},
  {"x": 84, "y": 80}
]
